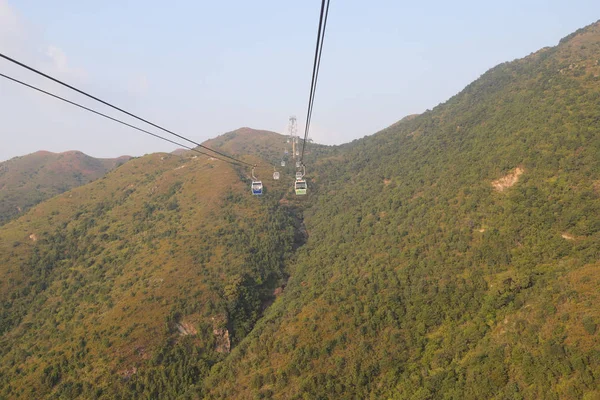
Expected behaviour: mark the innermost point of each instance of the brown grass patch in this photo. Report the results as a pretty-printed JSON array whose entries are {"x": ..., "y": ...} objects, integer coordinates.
[{"x": 508, "y": 180}]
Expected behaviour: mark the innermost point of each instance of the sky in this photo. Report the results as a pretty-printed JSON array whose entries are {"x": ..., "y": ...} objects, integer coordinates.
[{"x": 202, "y": 68}]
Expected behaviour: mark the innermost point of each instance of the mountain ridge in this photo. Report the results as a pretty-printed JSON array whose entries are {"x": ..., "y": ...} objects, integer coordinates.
[{"x": 29, "y": 179}]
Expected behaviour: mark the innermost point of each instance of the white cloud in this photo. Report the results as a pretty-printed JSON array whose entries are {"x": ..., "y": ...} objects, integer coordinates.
[
  {"x": 22, "y": 41},
  {"x": 12, "y": 31},
  {"x": 60, "y": 64},
  {"x": 26, "y": 134},
  {"x": 58, "y": 57},
  {"x": 32, "y": 121},
  {"x": 8, "y": 19}
]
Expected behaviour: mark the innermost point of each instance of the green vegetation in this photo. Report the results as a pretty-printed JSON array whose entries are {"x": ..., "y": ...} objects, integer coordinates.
[
  {"x": 455, "y": 254},
  {"x": 28, "y": 180},
  {"x": 420, "y": 280},
  {"x": 130, "y": 278}
]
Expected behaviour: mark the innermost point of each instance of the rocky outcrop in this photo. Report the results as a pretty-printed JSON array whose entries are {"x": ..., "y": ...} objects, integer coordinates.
[{"x": 223, "y": 342}]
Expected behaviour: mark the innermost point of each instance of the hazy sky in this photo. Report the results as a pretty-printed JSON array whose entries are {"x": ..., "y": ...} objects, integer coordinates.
[{"x": 202, "y": 68}]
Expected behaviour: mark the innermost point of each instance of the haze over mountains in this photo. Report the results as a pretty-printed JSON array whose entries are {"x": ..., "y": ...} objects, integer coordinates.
[
  {"x": 28, "y": 180},
  {"x": 455, "y": 254}
]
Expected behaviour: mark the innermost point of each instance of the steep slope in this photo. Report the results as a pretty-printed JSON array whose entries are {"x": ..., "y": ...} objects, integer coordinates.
[
  {"x": 454, "y": 255},
  {"x": 25, "y": 181},
  {"x": 136, "y": 284}
]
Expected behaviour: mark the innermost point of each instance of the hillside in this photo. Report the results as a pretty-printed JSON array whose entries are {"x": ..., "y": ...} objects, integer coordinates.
[
  {"x": 162, "y": 257},
  {"x": 265, "y": 144},
  {"x": 454, "y": 255},
  {"x": 26, "y": 181}
]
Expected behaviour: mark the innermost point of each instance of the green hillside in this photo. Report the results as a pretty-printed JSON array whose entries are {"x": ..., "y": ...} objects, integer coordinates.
[
  {"x": 26, "y": 181},
  {"x": 454, "y": 255},
  {"x": 427, "y": 275},
  {"x": 164, "y": 256}
]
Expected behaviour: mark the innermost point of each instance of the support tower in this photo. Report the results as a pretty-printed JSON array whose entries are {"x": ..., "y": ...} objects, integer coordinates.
[{"x": 293, "y": 132}]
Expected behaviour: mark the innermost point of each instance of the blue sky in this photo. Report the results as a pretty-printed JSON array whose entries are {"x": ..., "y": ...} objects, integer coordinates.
[{"x": 202, "y": 68}]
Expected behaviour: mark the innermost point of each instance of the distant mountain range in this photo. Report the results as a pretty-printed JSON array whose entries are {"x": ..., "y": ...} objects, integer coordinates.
[{"x": 25, "y": 181}]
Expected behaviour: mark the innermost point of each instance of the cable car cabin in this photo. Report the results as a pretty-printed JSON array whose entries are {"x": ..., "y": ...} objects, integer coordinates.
[
  {"x": 282, "y": 163},
  {"x": 257, "y": 188},
  {"x": 276, "y": 175},
  {"x": 300, "y": 187}
]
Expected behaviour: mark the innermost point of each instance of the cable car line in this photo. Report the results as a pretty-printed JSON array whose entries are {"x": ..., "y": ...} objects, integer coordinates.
[
  {"x": 316, "y": 78},
  {"x": 316, "y": 67},
  {"x": 117, "y": 108},
  {"x": 314, "y": 74},
  {"x": 257, "y": 187},
  {"x": 111, "y": 118}
]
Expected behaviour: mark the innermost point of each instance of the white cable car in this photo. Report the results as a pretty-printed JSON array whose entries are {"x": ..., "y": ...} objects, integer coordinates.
[
  {"x": 276, "y": 175},
  {"x": 298, "y": 165},
  {"x": 283, "y": 163},
  {"x": 257, "y": 186}
]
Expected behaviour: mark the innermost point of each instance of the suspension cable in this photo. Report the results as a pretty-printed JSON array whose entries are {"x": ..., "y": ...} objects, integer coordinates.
[
  {"x": 113, "y": 119},
  {"x": 316, "y": 67},
  {"x": 117, "y": 108}
]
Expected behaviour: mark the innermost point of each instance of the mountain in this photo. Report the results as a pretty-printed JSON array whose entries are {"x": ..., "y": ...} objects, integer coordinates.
[
  {"x": 25, "y": 181},
  {"x": 455, "y": 254},
  {"x": 180, "y": 152},
  {"x": 110, "y": 288},
  {"x": 266, "y": 145}
]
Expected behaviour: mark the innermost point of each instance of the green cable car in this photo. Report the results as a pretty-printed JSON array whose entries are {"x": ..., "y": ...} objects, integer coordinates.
[{"x": 300, "y": 187}]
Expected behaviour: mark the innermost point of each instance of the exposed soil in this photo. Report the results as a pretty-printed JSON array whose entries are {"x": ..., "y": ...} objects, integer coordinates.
[{"x": 508, "y": 180}]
